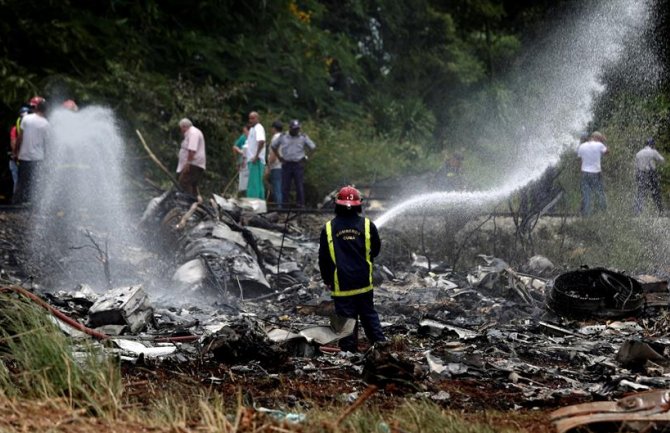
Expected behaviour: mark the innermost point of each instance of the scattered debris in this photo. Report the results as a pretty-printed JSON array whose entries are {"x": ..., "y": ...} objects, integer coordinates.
[
  {"x": 539, "y": 266},
  {"x": 241, "y": 342},
  {"x": 634, "y": 354},
  {"x": 262, "y": 310}
]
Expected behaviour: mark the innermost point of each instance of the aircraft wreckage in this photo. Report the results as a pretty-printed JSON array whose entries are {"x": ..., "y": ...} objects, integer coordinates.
[{"x": 589, "y": 335}]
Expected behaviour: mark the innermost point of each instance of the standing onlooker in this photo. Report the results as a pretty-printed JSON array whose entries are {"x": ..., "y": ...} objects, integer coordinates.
[
  {"x": 591, "y": 153},
  {"x": 646, "y": 177},
  {"x": 31, "y": 147},
  {"x": 242, "y": 169},
  {"x": 273, "y": 168},
  {"x": 290, "y": 150},
  {"x": 347, "y": 246},
  {"x": 69, "y": 104},
  {"x": 13, "y": 147},
  {"x": 191, "y": 165},
  {"x": 255, "y": 157}
]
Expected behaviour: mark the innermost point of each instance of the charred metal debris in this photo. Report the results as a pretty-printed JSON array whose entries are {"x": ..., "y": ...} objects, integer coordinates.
[{"x": 246, "y": 294}]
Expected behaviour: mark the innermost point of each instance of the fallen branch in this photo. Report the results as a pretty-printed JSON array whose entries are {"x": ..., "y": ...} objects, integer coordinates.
[
  {"x": 283, "y": 236},
  {"x": 277, "y": 293},
  {"x": 187, "y": 215},
  {"x": 157, "y": 161},
  {"x": 230, "y": 182},
  {"x": 369, "y": 391},
  {"x": 103, "y": 256},
  {"x": 423, "y": 244},
  {"x": 467, "y": 238}
]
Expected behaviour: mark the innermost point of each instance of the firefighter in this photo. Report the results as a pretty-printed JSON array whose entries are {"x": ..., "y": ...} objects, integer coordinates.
[{"x": 347, "y": 246}]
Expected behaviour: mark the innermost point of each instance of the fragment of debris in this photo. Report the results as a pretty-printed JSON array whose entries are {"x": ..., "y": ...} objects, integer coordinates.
[
  {"x": 132, "y": 351},
  {"x": 121, "y": 308},
  {"x": 241, "y": 342},
  {"x": 306, "y": 341},
  {"x": 641, "y": 412},
  {"x": 595, "y": 292}
]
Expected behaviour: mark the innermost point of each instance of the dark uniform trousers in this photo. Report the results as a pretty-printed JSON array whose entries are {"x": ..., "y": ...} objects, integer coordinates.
[{"x": 355, "y": 307}]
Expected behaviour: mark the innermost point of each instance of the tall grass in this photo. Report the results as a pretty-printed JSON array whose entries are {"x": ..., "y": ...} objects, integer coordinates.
[
  {"x": 38, "y": 361},
  {"x": 420, "y": 416},
  {"x": 210, "y": 411}
]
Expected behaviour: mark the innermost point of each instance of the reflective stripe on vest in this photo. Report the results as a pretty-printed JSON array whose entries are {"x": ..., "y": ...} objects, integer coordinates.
[{"x": 368, "y": 259}]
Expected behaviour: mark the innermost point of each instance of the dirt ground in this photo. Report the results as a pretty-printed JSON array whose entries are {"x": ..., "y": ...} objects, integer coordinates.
[{"x": 285, "y": 387}]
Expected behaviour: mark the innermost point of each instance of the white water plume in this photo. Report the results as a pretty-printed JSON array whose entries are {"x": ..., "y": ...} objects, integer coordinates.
[
  {"x": 556, "y": 91},
  {"x": 81, "y": 209}
]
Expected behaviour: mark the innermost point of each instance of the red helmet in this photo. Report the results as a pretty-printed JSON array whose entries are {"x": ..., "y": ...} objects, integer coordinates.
[
  {"x": 348, "y": 196},
  {"x": 70, "y": 105},
  {"x": 35, "y": 100}
]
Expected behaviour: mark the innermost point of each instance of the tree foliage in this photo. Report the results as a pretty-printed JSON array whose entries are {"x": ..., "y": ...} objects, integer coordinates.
[{"x": 414, "y": 77}]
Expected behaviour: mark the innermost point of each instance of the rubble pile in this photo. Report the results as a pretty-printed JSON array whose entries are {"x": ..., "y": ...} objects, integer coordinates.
[{"x": 579, "y": 336}]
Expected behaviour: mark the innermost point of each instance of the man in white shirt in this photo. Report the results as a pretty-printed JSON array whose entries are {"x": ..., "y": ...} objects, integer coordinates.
[
  {"x": 646, "y": 176},
  {"x": 255, "y": 156},
  {"x": 593, "y": 193},
  {"x": 191, "y": 165},
  {"x": 31, "y": 148}
]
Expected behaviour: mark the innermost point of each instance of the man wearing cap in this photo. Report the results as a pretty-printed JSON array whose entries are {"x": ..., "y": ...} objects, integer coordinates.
[
  {"x": 347, "y": 246},
  {"x": 646, "y": 177},
  {"x": 591, "y": 152},
  {"x": 192, "y": 159},
  {"x": 290, "y": 150}
]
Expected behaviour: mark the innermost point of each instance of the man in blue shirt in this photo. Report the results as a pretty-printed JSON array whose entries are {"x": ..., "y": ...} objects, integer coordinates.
[{"x": 290, "y": 150}]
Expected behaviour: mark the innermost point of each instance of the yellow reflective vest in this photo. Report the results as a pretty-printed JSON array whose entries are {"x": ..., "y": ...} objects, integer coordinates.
[{"x": 338, "y": 290}]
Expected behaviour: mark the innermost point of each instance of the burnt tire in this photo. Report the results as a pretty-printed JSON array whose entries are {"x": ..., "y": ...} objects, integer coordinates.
[{"x": 596, "y": 293}]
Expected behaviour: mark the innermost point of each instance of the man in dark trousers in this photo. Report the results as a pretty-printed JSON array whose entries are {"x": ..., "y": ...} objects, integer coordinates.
[
  {"x": 646, "y": 177},
  {"x": 290, "y": 150},
  {"x": 347, "y": 246}
]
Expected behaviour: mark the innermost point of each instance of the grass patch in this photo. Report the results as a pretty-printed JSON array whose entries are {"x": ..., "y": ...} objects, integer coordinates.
[
  {"x": 420, "y": 416},
  {"x": 38, "y": 361},
  {"x": 210, "y": 411}
]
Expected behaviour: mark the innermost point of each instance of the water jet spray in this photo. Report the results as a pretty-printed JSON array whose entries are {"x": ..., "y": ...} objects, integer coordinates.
[{"x": 556, "y": 92}]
